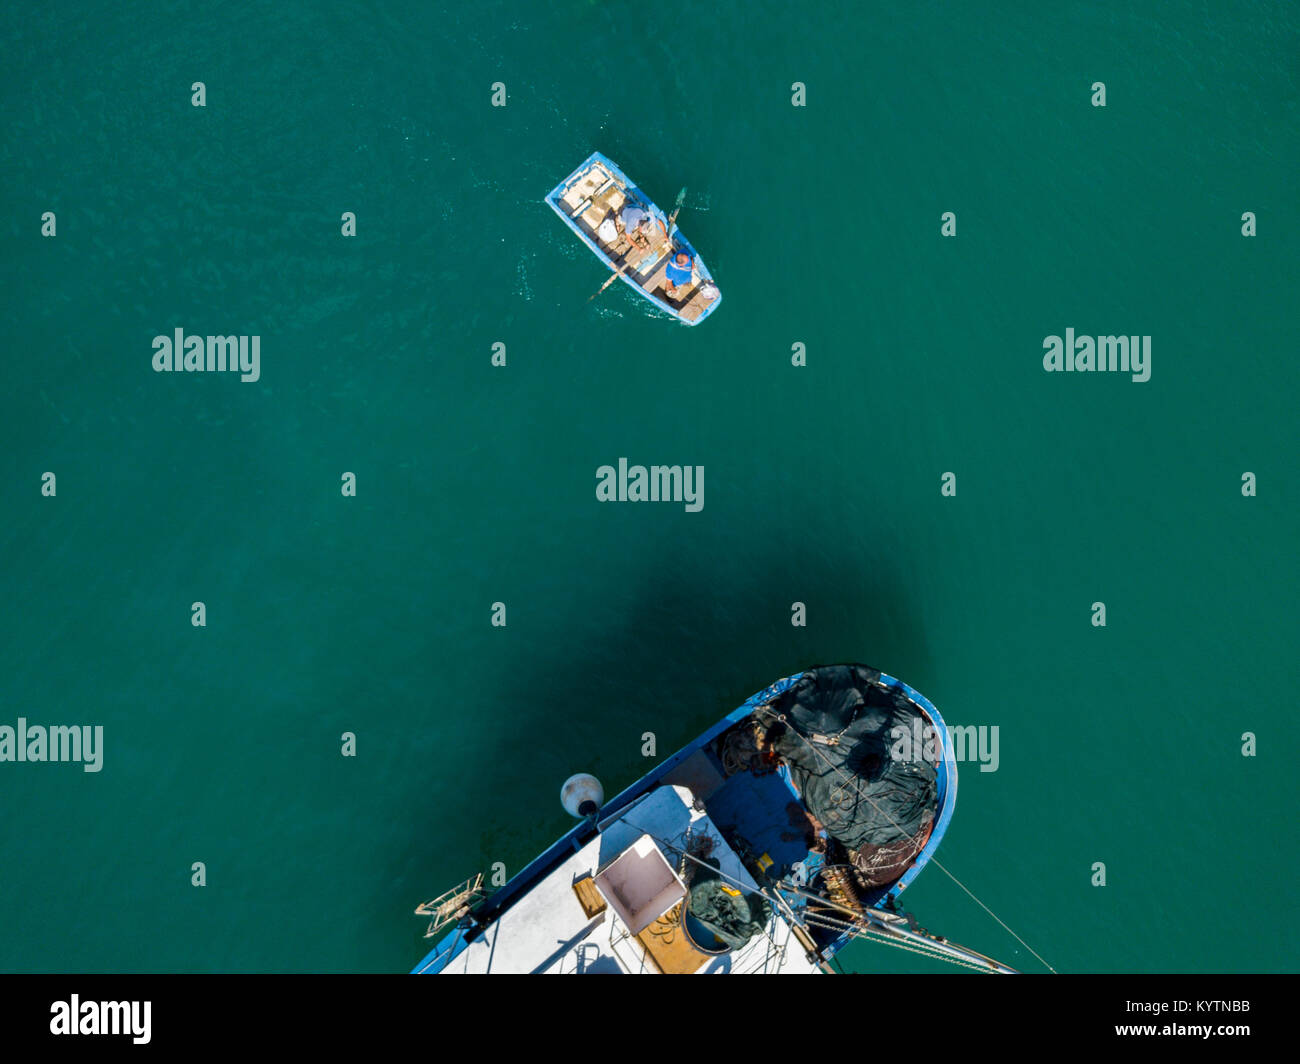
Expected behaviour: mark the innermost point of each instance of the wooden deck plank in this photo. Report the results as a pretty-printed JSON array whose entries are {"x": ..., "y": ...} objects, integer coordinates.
[
  {"x": 694, "y": 306},
  {"x": 667, "y": 946},
  {"x": 588, "y": 896}
]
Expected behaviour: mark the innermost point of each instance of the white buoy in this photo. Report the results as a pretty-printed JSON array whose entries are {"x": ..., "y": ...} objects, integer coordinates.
[{"x": 582, "y": 795}]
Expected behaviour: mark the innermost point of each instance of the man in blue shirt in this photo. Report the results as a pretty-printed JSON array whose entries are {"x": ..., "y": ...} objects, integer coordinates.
[{"x": 679, "y": 272}]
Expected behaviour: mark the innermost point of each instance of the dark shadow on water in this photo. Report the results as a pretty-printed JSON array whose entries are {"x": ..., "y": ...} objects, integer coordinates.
[{"x": 689, "y": 652}]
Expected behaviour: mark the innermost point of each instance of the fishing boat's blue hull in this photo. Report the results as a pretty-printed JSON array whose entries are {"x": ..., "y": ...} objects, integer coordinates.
[
  {"x": 457, "y": 940},
  {"x": 554, "y": 199}
]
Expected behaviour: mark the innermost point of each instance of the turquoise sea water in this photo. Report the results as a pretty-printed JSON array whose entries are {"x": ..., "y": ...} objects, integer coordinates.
[{"x": 371, "y": 614}]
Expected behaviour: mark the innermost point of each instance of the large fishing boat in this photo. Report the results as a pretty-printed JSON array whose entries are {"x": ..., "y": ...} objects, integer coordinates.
[
  {"x": 781, "y": 833},
  {"x": 634, "y": 238}
]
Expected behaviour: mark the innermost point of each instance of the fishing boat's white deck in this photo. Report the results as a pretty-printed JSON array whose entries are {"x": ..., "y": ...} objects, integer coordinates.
[{"x": 547, "y": 930}]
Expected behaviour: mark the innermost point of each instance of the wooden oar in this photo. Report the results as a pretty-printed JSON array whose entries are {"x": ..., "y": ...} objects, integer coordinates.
[
  {"x": 613, "y": 277},
  {"x": 672, "y": 219},
  {"x": 677, "y": 208}
]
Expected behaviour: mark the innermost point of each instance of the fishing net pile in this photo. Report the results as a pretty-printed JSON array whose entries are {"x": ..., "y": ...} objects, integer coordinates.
[{"x": 852, "y": 751}]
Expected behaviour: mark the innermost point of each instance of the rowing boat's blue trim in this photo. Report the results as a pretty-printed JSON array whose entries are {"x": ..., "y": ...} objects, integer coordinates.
[{"x": 553, "y": 199}]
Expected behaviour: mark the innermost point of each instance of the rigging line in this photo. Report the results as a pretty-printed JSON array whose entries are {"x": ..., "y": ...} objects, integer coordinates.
[
  {"x": 867, "y": 925},
  {"x": 910, "y": 947},
  {"x": 857, "y": 931},
  {"x": 864, "y": 928},
  {"x": 933, "y": 860},
  {"x": 870, "y": 925},
  {"x": 995, "y": 917}
]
